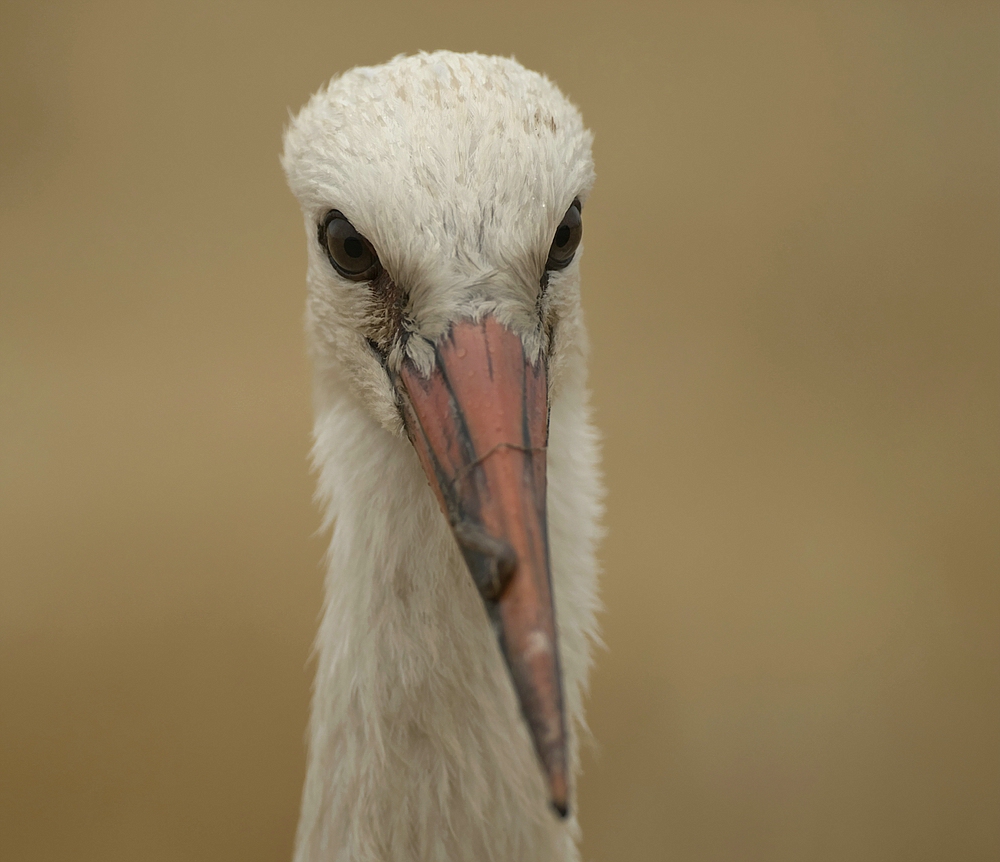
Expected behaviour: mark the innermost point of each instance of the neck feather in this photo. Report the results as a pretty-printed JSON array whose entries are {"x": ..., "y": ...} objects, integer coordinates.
[{"x": 417, "y": 748}]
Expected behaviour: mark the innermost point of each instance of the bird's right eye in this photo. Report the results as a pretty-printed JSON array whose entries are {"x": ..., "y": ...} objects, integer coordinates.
[{"x": 349, "y": 252}]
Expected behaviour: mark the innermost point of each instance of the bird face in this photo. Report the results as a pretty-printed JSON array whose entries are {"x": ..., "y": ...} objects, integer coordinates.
[{"x": 442, "y": 197}]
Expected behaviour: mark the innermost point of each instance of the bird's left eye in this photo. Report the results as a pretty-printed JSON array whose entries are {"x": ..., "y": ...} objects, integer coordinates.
[
  {"x": 349, "y": 252},
  {"x": 567, "y": 238}
]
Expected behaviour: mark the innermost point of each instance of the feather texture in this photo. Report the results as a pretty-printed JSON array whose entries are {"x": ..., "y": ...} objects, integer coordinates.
[{"x": 457, "y": 168}]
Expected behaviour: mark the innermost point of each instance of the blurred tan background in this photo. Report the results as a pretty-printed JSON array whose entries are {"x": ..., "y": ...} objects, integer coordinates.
[{"x": 792, "y": 280}]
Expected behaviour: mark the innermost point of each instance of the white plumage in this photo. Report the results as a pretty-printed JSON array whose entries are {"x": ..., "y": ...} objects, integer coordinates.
[{"x": 458, "y": 169}]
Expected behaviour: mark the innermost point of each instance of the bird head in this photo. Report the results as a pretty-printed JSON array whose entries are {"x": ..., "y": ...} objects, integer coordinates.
[{"x": 442, "y": 196}]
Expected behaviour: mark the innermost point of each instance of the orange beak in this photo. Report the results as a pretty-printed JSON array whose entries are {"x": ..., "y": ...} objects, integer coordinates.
[{"x": 479, "y": 424}]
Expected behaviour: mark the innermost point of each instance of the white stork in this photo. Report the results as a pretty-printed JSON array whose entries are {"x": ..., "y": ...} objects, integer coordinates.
[{"x": 456, "y": 460}]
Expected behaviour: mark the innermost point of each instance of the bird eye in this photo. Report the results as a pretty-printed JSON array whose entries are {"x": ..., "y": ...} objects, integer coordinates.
[
  {"x": 567, "y": 238},
  {"x": 349, "y": 252}
]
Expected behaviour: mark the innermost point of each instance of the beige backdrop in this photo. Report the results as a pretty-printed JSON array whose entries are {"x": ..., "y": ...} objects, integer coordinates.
[{"x": 792, "y": 286}]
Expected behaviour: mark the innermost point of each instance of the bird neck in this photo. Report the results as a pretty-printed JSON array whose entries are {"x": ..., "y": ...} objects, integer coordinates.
[{"x": 414, "y": 721}]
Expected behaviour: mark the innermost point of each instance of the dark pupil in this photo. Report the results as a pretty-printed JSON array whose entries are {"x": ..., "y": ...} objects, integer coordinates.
[
  {"x": 562, "y": 235},
  {"x": 355, "y": 248}
]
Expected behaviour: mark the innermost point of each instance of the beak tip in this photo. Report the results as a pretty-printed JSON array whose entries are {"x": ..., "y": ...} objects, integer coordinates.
[{"x": 559, "y": 795}]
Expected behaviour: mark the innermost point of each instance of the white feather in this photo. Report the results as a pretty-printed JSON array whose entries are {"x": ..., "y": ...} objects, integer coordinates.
[{"x": 458, "y": 168}]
